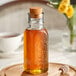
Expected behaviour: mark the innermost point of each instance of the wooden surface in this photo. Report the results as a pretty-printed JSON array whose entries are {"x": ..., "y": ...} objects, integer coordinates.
[{"x": 17, "y": 70}]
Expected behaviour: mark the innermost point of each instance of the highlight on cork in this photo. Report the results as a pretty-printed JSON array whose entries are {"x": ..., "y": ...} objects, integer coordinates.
[{"x": 35, "y": 12}]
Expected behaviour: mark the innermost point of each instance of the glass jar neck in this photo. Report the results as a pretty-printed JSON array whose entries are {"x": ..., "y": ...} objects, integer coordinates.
[{"x": 36, "y": 23}]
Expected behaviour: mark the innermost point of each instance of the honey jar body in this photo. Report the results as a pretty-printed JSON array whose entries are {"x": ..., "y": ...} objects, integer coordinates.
[{"x": 36, "y": 45}]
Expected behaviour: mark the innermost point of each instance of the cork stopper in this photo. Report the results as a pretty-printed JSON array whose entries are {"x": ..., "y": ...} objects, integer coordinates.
[{"x": 35, "y": 12}]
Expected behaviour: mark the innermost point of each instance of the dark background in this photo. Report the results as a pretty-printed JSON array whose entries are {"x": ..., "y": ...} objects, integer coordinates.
[{"x": 73, "y": 1}]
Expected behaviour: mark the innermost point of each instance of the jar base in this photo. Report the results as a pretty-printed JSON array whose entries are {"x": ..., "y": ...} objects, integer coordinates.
[{"x": 36, "y": 71}]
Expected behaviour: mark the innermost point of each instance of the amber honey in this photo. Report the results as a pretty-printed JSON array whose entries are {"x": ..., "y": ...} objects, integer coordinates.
[{"x": 35, "y": 51}]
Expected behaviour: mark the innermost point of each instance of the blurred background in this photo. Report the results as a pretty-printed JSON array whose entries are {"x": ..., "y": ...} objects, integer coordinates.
[
  {"x": 14, "y": 18},
  {"x": 14, "y": 15}
]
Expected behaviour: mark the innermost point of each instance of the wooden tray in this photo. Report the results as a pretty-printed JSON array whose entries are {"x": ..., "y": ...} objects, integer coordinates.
[{"x": 17, "y": 70}]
